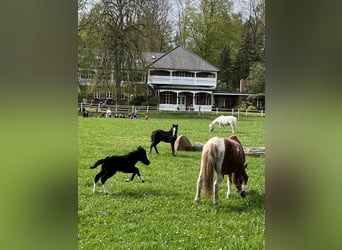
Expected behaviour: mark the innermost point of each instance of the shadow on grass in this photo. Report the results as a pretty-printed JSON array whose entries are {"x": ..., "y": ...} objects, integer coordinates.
[
  {"x": 253, "y": 201},
  {"x": 144, "y": 192}
]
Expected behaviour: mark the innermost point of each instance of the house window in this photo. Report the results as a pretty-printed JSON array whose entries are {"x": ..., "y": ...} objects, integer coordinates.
[
  {"x": 97, "y": 94},
  {"x": 123, "y": 96},
  {"x": 86, "y": 74},
  {"x": 109, "y": 94},
  {"x": 197, "y": 99},
  {"x": 167, "y": 97},
  {"x": 209, "y": 100}
]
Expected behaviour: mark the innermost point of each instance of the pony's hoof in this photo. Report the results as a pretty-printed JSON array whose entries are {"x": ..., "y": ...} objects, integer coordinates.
[
  {"x": 243, "y": 194},
  {"x": 197, "y": 200},
  {"x": 107, "y": 193},
  {"x": 128, "y": 180}
]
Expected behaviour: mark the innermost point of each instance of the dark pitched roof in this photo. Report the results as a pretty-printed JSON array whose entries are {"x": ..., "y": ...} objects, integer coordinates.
[
  {"x": 181, "y": 59},
  {"x": 150, "y": 57}
]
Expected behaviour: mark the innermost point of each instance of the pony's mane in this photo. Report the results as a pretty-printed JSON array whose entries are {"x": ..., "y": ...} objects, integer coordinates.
[{"x": 135, "y": 152}]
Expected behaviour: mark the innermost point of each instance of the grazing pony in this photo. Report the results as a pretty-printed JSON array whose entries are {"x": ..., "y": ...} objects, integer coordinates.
[
  {"x": 226, "y": 157},
  {"x": 165, "y": 136},
  {"x": 224, "y": 121},
  {"x": 125, "y": 163}
]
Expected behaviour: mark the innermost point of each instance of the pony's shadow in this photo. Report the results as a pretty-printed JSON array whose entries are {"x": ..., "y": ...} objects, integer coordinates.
[
  {"x": 253, "y": 201},
  {"x": 140, "y": 193}
]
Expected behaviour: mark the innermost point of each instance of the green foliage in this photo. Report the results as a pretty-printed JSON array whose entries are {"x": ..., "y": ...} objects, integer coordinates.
[
  {"x": 206, "y": 28},
  {"x": 245, "y": 104},
  {"x": 137, "y": 100},
  {"x": 161, "y": 213},
  {"x": 226, "y": 69},
  {"x": 256, "y": 79},
  {"x": 152, "y": 102}
]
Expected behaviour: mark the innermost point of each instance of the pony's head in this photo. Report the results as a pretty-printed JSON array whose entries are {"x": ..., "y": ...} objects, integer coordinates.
[
  {"x": 143, "y": 155},
  {"x": 211, "y": 127},
  {"x": 240, "y": 178},
  {"x": 174, "y": 130}
]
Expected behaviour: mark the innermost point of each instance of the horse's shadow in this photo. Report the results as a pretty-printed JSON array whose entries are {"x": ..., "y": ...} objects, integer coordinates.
[
  {"x": 253, "y": 201},
  {"x": 140, "y": 193}
]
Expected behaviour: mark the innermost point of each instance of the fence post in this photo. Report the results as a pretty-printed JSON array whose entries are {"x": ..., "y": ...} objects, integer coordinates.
[
  {"x": 246, "y": 112},
  {"x": 238, "y": 113},
  {"x": 81, "y": 107},
  {"x": 232, "y": 111},
  {"x": 98, "y": 108},
  {"x": 147, "y": 109},
  {"x": 262, "y": 111},
  {"x": 216, "y": 110}
]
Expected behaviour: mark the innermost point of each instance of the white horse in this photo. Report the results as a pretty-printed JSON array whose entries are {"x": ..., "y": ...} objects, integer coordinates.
[{"x": 224, "y": 121}]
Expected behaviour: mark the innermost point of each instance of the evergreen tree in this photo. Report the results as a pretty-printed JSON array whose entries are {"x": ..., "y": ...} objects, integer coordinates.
[{"x": 225, "y": 70}]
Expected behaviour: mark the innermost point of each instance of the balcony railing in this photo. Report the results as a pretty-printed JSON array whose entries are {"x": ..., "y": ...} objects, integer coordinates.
[{"x": 179, "y": 80}]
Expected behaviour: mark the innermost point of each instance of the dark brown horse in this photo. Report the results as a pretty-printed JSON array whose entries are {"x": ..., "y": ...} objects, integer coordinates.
[
  {"x": 227, "y": 157},
  {"x": 165, "y": 136}
]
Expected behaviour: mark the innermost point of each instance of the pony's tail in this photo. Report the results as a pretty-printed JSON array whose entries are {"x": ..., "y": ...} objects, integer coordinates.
[
  {"x": 99, "y": 162},
  {"x": 207, "y": 166}
]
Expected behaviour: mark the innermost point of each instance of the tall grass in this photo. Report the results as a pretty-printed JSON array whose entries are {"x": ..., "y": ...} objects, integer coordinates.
[{"x": 161, "y": 213}]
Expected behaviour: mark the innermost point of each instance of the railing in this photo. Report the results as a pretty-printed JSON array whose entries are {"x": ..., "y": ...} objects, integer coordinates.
[{"x": 180, "y": 80}]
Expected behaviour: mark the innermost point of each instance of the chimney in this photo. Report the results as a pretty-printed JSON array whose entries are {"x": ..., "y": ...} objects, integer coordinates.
[{"x": 242, "y": 86}]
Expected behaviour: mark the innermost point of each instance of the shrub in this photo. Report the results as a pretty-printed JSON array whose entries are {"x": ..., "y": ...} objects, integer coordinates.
[{"x": 137, "y": 100}]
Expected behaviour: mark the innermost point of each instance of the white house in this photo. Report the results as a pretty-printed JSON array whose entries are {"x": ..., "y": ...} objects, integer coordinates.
[{"x": 182, "y": 80}]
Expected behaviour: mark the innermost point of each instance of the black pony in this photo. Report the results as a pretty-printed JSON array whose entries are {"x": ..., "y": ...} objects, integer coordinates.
[
  {"x": 165, "y": 136},
  {"x": 125, "y": 163}
]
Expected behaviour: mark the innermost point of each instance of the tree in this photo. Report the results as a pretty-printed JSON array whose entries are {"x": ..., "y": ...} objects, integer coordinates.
[
  {"x": 207, "y": 27},
  {"x": 256, "y": 80},
  {"x": 113, "y": 35},
  {"x": 156, "y": 28},
  {"x": 226, "y": 69},
  {"x": 252, "y": 47},
  {"x": 256, "y": 29}
]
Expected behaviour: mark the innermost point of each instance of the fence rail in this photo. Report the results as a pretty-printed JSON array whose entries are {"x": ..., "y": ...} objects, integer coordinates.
[{"x": 97, "y": 109}]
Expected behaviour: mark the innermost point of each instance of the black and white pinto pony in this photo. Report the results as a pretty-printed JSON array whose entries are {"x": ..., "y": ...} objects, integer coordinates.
[
  {"x": 225, "y": 156},
  {"x": 125, "y": 163},
  {"x": 165, "y": 136},
  {"x": 223, "y": 121}
]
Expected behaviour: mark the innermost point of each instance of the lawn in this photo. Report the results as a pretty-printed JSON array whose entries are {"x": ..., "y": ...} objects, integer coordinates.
[{"x": 161, "y": 213}]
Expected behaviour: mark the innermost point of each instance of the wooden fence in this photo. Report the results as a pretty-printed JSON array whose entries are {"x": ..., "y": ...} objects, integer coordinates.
[{"x": 96, "y": 109}]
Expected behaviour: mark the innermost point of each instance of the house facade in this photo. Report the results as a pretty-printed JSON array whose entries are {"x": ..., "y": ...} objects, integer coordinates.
[{"x": 182, "y": 80}]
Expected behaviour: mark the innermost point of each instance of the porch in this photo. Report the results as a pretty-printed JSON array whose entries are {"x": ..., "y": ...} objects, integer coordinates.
[{"x": 185, "y": 100}]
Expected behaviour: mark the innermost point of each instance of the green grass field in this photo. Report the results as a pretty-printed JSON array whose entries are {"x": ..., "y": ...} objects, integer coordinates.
[{"x": 161, "y": 213}]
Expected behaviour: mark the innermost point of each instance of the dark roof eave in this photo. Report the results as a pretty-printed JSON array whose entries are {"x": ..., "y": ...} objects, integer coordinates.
[{"x": 226, "y": 93}]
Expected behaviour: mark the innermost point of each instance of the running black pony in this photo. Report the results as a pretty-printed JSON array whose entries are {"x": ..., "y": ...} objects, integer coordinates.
[
  {"x": 125, "y": 163},
  {"x": 165, "y": 136}
]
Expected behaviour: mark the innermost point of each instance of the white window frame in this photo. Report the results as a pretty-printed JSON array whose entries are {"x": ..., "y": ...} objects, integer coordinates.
[
  {"x": 109, "y": 94},
  {"x": 97, "y": 94},
  {"x": 167, "y": 97}
]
